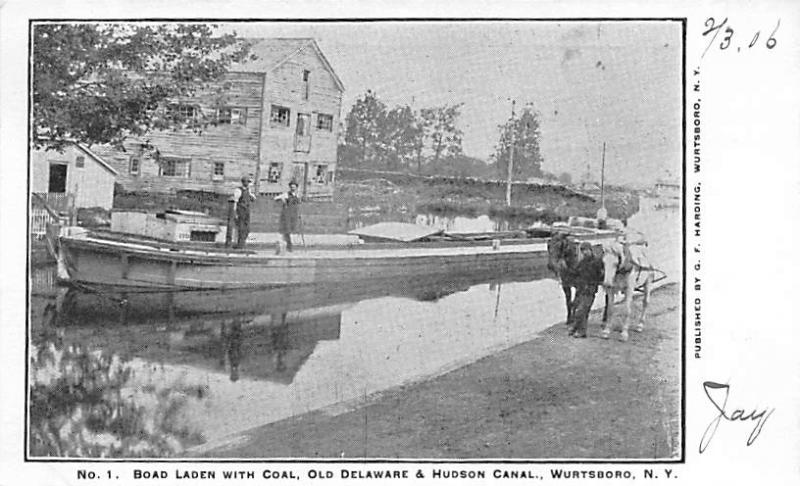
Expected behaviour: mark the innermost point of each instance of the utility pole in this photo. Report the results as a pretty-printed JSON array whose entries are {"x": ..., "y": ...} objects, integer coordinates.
[
  {"x": 603, "y": 178},
  {"x": 510, "y": 156}
]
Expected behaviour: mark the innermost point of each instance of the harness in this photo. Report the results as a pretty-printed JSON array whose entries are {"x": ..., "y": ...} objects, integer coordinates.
[{"x": 625, "y": 264}]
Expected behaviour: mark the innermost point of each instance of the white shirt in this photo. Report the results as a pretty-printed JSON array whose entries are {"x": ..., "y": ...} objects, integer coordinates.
[{"x": 237, "y": 194}]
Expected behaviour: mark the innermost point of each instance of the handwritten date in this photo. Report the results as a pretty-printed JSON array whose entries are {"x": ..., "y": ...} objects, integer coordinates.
[{"x": 713, "y": 29}]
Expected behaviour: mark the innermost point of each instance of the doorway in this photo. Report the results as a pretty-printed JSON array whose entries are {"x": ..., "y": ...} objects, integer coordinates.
[
  {"x": 58, "y": 178},
  {"x": 299, "y": 175}
]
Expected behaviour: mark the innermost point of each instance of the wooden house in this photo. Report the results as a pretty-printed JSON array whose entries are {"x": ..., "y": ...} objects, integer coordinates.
[
  {"x": 75, "y": 177},
  {"x": 274, "y": 118}
]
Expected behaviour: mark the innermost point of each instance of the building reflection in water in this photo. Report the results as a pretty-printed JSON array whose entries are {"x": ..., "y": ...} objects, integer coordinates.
[
  {"x": 247, "y": 358},
  {"x": 264, "y": 334}
]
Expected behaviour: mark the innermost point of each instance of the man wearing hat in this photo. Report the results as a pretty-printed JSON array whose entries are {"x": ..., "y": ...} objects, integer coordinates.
[
  {"x": 242, "y": 199},
  {"x": 290, "y": 213}
]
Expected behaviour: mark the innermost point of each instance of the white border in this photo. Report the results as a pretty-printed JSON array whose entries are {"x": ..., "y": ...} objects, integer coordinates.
[{"x": 750, "y": 181}]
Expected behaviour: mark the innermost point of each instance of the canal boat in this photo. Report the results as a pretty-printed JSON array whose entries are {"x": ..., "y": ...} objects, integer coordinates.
[{"x": 135, "y": 263}]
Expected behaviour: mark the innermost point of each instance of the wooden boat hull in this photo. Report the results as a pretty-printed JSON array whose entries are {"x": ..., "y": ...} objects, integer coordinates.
[{"x": 93, "y": 260}]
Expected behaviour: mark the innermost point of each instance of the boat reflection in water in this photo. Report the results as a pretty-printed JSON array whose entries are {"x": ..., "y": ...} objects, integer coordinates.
[
  {"x": 273, "y": 329},
  {"x": 248, "y": 358}
]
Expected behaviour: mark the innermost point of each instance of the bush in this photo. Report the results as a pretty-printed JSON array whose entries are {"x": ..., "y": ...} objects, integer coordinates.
[
  {"x": 80, "y": 407},
  {"x": 523, "y": 214},
  {"x": 450, "y": 207}
]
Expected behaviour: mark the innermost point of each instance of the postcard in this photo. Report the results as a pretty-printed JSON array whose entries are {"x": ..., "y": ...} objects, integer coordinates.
[{"x": 428, "y": 243}]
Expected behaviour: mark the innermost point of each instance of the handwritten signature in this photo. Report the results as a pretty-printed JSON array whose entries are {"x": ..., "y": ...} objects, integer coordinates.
[{"x": 759, "y": 417}]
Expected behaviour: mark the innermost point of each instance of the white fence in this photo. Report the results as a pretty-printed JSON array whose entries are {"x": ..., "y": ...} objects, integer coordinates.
[{"x": 39, "y": 220}]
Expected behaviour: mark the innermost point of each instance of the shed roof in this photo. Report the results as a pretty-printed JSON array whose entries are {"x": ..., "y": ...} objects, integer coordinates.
[{"x": 272, "y": 52}]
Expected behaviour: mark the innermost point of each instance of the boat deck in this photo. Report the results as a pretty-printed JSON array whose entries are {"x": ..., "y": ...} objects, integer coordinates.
[
  {"x": 369, "y": 250},
  {"x": 120, "y": 261}
]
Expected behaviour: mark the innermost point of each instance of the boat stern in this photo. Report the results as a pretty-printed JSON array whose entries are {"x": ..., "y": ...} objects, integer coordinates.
[{"x": 59, "y": 251}]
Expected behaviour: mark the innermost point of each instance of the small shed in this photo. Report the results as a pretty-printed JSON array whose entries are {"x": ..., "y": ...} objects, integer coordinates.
[{"x": 73, "y": 177}]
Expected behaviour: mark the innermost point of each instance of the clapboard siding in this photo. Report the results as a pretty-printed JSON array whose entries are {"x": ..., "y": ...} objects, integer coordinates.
[
  {"x": 90, "y": 183},
  {"x": 285, "y": 88},
  {"x": 249, "y": 148},
  {"x": 235, "y": 145}
]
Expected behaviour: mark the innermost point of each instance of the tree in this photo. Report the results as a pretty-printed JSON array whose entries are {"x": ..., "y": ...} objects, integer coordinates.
[
  {"x": 400, "y": 136},
  {"x": 526, "y": 134},
  {"x": 565, "y": 178},
  {"x": 363, "y": 128},
  {"x": 439, "y": 126},
  {"x": 99, "y": 83},
  {"x": 382, "y": 137}
]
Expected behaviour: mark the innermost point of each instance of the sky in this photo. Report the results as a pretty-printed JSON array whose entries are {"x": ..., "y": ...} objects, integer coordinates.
[{"x": 617, "y": 82}]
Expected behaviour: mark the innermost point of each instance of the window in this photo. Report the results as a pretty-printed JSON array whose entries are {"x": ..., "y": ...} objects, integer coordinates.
[
  {"x": 274, "y": 174},
  {"x": 232, "y": 116},
  {"x": 306, "y": 74},
  {"x": 325, "y": 122},
  {"x": 196, "y": 235},
  {"x": 80, "y": 161},
  {"x": 279, "y": 115},
  {"x": 178, "y": 111},
  {"x": 219, "y": 171},
  {"x": 320, "y": 174},
  {"x": 175, "y": 167},
  {"x": 134, "y": 166}
]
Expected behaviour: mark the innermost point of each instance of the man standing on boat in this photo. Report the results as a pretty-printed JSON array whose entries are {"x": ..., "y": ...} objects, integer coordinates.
[
  {"x": 242, "y": 199},
  {"x": 290, "y": 213}
]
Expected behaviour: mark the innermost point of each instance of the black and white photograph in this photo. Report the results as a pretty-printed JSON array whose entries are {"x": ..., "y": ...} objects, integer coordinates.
[
  {"x": 434, "y": 243},
  {"x": 399, "y": 239}
]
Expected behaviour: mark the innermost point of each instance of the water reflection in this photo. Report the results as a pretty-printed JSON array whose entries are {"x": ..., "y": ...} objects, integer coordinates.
[
  {"x": 451, "y": 223},
  {"x": 238, "y": 359},
  {"x": 464, "y": 224},
  {"x": 259, "y": 356}
]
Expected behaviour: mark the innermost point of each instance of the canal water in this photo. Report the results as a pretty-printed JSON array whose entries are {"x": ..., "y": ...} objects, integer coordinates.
[{"x": 207, "y": 366}]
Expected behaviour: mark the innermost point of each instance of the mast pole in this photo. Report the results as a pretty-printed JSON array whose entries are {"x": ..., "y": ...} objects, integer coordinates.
[{"x": 510, "y": 157}]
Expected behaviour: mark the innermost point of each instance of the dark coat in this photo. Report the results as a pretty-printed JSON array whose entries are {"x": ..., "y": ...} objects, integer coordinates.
[
  {"x": 290, "y": 214},
  {"x": 589, "y": 270}
]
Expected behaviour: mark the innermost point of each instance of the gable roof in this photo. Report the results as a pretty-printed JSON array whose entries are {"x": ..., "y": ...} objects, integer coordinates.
[
  {"x": 97, "y": 158},
  {"x": 83, "y": 148},
  {"x": 275, "y": 51}
]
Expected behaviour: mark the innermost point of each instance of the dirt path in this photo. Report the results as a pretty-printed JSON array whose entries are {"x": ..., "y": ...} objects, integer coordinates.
[{"x": 553, "y": 397}]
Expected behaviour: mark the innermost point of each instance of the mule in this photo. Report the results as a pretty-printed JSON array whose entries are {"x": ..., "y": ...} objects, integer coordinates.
[
  {"x": 623, "y": 265},
  {"x": 562, "y": 259}
]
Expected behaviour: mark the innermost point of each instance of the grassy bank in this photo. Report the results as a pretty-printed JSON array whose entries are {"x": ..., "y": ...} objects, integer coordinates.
[
  {"x": 362, "y": 196},
  {"x": 471, "y": 197}
]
